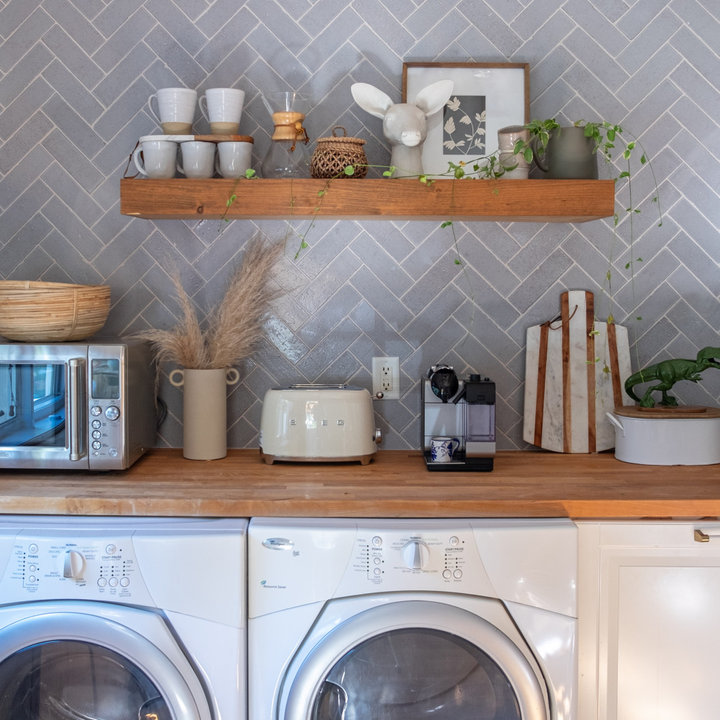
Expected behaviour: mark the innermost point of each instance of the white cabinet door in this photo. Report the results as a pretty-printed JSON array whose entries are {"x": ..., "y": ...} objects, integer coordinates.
[{"x": 649, "y": 620}]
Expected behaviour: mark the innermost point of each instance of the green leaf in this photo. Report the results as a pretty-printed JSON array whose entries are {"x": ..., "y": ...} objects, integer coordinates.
[
  {"x": 624, "y": 174},
  {"x": 321, "y": 192},
  {"x": 231, "y": 200},
  {"x": 249, "y": 173},
  {"x": 447, "y": 223},
  {"x": 458, "y": 261},
  {"x": 350, "y": 170}
]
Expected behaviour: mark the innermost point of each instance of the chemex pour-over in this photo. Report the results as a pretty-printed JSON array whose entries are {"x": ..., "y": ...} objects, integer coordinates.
[{"x": 287, "y": 155}]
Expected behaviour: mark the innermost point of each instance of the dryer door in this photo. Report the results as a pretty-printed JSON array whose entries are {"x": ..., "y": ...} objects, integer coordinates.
[
  {"x": 409, "y": 660},
  {"x": 74, "y": 666}
]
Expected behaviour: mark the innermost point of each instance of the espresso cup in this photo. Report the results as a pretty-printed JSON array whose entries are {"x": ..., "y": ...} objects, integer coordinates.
[
  {"x": 222, "y": 108},
  {"x": 197, "y": 159},
  {"x": 234, "y": 158},
  {"x": 175, "y": 109},
  {"x": 442, "y": 448},
  {"x": 155, "y": 158}
]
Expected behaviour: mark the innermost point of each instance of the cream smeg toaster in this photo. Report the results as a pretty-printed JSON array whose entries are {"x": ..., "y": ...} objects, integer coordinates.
[{"x": 318, "y": 423}]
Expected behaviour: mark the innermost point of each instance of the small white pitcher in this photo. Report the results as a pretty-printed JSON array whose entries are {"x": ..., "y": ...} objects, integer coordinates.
[{"x": 204, "y": 410}]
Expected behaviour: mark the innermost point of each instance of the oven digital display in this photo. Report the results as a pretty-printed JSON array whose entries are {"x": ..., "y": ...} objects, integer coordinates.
[{"x": 105, "y": 379}]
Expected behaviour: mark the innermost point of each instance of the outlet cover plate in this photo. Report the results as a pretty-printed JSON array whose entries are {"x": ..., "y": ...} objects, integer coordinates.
[{"x": 386, "y": 378}]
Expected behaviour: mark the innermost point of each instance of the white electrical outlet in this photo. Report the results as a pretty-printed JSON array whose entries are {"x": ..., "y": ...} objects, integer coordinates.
[{"x": 386, "y": 377}]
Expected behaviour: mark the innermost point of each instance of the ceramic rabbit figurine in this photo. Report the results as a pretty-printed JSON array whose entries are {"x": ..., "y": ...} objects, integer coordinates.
[{"x": 404, "y": 124}]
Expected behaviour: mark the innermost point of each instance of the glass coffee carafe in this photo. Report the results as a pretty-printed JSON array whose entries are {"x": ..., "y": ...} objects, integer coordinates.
[{"x": 287, "y": 155}]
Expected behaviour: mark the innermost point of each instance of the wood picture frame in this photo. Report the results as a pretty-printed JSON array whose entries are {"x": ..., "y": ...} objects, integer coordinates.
[{"x": 486, "y": 97}]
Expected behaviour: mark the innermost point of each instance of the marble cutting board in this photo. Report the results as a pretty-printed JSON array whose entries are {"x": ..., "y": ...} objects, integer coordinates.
[{"x": 575, "y": 370}]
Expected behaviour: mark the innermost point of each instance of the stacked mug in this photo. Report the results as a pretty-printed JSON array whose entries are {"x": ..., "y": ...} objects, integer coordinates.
[{"x": 174, "y": 108}]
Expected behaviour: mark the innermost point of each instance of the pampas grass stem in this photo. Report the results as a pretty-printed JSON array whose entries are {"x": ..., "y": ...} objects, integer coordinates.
[{"x": 235, "y": 326}]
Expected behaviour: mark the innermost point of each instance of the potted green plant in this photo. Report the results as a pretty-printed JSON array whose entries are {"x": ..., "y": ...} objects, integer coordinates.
[{"x": 572, "y": 151}]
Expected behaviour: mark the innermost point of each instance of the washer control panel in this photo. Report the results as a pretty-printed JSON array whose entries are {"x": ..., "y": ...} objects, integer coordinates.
[
  {"x": 395, "y": 557},
  {"x": 92, "y": 569}
]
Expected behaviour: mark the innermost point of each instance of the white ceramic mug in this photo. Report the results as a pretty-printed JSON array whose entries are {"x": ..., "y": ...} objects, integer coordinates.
[
  {"x": 197, "y": 159},
  {"x": 156, "y": 158},
  {"x": 175, "y": 109},
  {"x": 442, "y": 448},
  {"x": 222, "y": 108},
  {"x": 234, "y": 158}
]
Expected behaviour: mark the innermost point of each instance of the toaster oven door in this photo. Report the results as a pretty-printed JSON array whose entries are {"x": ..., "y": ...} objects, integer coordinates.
[{"x": 40, "y": 412}]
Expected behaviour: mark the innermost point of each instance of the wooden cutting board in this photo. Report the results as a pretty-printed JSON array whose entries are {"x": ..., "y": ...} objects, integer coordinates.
[{"x": 575, "y": 371}]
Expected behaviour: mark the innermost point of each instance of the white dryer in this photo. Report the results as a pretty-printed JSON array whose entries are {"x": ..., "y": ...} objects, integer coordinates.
[
  {"x": 405, "y": 619},
  {"x": 117, "y": 619}
]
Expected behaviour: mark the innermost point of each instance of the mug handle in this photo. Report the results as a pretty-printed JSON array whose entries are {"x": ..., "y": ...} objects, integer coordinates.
[
  {"x": 155, "y": 113},
  {"x": 202, "y": 102},
  {"x": 456, "y": 443},
  {"x": 136, "y": 159},
  {"x": 177, "y": 378}
]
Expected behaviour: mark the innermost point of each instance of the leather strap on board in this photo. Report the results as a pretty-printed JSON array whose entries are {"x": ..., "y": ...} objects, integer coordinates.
[
  {"x": 566, "y": 375},
  {"x": 617, "y": 385},
  {"x": 591, "y": 369},
  {"x": 540, "y": 397}
]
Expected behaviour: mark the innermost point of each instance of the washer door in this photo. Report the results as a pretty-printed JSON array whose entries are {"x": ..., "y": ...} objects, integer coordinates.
[
  {"x": 409, "y": 660},
  {"x": 73, "y": 666}
]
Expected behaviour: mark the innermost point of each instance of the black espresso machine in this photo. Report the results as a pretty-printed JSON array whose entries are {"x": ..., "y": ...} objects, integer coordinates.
[{"x": 462, "y": 409}]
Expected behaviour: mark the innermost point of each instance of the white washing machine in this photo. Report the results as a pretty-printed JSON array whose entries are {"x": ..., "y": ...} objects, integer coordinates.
[
  {"x": 405, "y": 619},
  {"x": 122, "y": 619}
]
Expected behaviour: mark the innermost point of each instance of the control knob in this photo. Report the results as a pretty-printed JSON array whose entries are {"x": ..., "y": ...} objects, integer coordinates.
[
  {"x": 74, "y": 566},
  {"x": 415, "y": 554}
]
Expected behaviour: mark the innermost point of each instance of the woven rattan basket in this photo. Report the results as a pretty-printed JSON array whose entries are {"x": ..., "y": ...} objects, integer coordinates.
[
  {"x": 333, "y": 154},
  {"x": 51, "y": 312}
]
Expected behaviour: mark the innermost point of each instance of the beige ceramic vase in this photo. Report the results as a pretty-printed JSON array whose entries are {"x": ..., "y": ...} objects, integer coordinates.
[{"x": 204, "y": 410}]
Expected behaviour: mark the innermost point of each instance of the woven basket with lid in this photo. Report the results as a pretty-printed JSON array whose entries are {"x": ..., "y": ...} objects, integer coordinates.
[{"x": 333, "y": 154}]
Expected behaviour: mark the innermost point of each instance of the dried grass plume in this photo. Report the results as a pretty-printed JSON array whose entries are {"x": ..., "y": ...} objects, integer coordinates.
[{"x": 234, "y": 327}]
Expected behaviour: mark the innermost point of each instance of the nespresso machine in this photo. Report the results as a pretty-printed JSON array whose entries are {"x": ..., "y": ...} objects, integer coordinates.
[{"x": 462, "y": 409}]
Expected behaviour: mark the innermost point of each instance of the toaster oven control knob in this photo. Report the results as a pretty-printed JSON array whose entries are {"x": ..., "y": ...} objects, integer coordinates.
[
  {"x": 74, "y": 566},
  {"x": 112, "y": 412},
  {"x": 415, "y": 554}
]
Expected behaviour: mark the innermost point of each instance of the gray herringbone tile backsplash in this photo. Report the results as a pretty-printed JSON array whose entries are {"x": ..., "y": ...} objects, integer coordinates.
[{"x": 75, "y": 76}]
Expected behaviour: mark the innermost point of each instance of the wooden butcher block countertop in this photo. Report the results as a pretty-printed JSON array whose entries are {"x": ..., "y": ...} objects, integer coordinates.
[{"x": 395, "y": 484}]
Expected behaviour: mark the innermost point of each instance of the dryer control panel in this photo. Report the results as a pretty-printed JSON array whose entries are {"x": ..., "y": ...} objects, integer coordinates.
[{"x": 97, "y": 568}]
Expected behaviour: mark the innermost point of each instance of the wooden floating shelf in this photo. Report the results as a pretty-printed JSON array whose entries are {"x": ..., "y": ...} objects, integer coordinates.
[{"x": 368, "y": 199}]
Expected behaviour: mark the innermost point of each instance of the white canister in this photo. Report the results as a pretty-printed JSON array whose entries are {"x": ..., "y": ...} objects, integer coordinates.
[{"x": 657, "y": 436}]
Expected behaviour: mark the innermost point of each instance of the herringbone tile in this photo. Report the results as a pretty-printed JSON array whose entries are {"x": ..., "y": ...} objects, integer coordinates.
[{"x": 74, "y": 82}]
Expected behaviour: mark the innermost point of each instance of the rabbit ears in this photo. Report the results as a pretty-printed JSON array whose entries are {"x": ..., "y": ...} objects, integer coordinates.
[{"x": 429, "y": 100}]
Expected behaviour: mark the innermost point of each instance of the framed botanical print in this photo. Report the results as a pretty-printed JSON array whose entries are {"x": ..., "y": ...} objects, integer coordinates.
[{"x": 486, "y": 97}]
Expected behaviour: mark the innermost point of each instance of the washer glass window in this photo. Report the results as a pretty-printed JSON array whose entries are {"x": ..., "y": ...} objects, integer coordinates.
[
  {"x": 73, "y": 680},
  {"x": 407, "y": 674}
]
